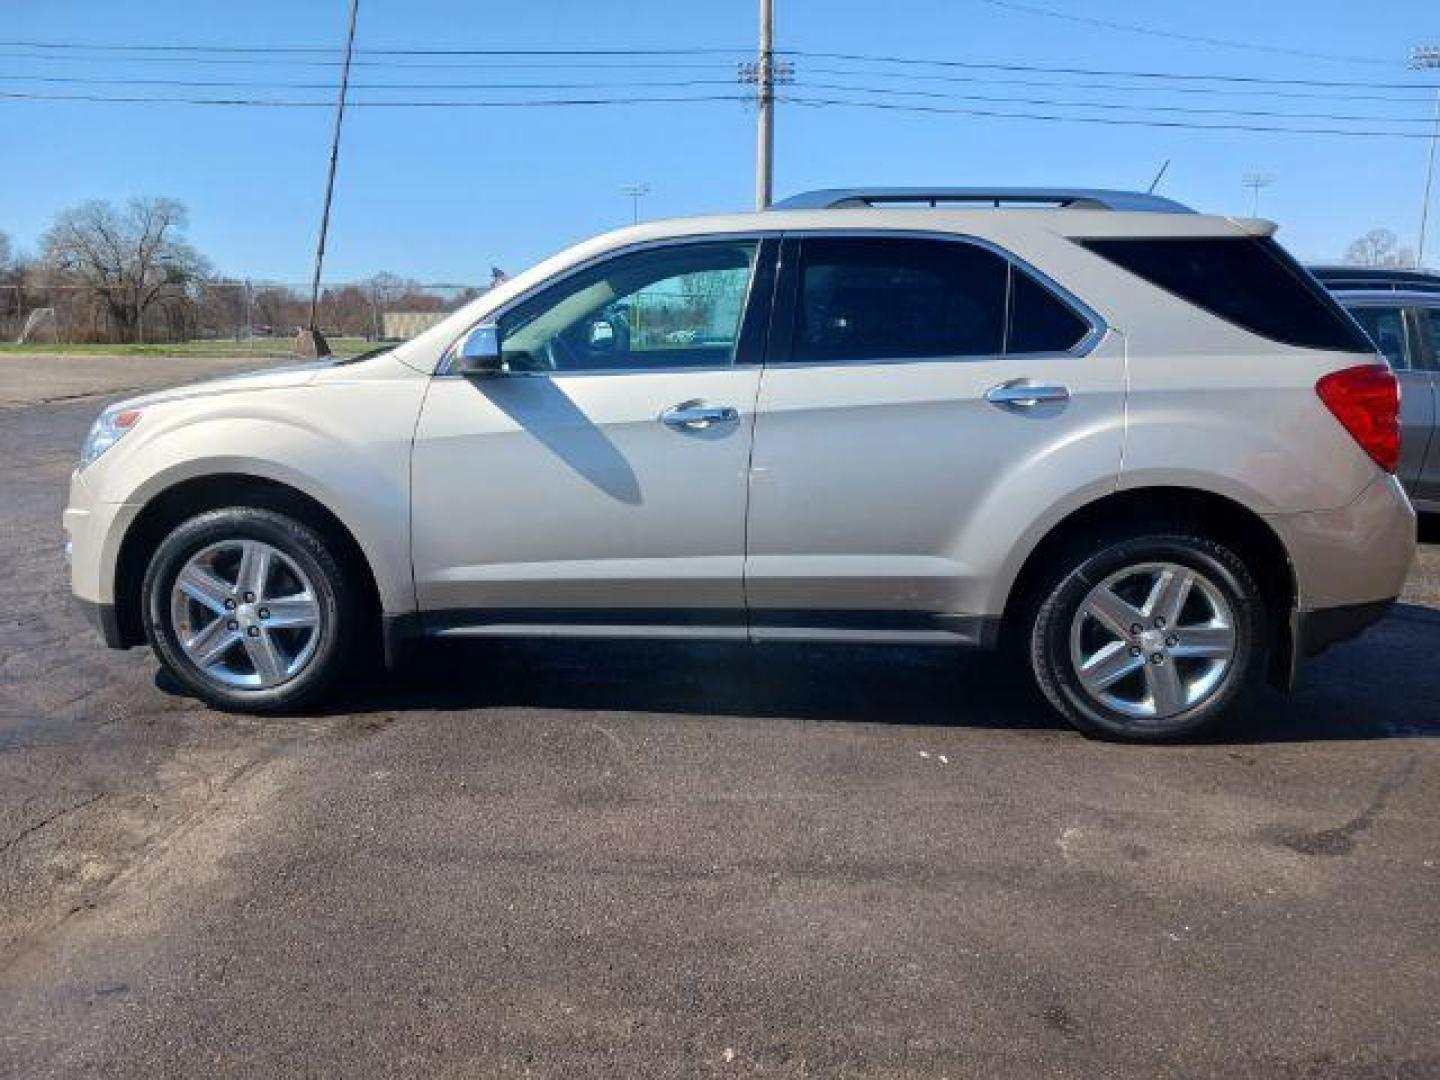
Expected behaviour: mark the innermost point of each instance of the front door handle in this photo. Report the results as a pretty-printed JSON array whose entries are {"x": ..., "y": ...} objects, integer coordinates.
[
  {"x": 1025, "y": 394},
  {"x": 697, "y": 416}
]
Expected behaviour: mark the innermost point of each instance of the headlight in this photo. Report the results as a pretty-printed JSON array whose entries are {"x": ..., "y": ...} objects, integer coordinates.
[{"x": 106, "y": 432}]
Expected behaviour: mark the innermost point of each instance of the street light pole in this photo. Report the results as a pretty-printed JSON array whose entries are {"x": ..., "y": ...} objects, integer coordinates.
[
  {"x": 1427, "y": 58},
  {"x": 636, "y": 193},
  {"x": 1255, "y": 181}
]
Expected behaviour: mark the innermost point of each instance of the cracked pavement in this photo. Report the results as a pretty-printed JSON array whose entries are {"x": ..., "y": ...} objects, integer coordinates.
[{"x": 594, "y": 859}]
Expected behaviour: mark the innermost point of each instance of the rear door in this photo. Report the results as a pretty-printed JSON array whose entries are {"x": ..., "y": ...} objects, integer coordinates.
[
  {"x": 925, "y": 395},
  {"x": 1397, "y": 336},
  {"x": 1425, "y": 332}
]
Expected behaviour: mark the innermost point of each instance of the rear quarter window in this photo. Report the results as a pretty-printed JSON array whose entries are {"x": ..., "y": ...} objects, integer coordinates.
[{"x": 1248, "y": 281}]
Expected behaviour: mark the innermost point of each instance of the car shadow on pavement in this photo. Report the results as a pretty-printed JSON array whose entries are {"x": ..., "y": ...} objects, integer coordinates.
[
  {"x": 852, "y": 684},
  {"x": 1384, "y": 685}
]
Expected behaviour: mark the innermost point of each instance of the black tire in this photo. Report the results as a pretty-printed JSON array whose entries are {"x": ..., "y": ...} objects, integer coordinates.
[
  {"x": 336, "y": 604},
  {"x": 1087, "y": 565}
]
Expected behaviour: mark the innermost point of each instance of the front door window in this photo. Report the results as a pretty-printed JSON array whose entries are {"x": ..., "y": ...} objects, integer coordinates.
[{"x": 662, "y": 309}]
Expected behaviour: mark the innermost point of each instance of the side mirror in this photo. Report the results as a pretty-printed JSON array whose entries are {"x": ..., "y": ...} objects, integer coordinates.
[{"x": 479, "y": 352}]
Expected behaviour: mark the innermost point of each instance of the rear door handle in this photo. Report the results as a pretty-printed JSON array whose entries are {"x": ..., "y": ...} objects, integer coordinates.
[
  {"x": 697, "y": 416},
  {"x": 1025, "y": 394}
]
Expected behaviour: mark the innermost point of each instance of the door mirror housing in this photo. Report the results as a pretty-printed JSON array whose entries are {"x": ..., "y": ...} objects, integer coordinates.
[{"x": 479, "y": 352}]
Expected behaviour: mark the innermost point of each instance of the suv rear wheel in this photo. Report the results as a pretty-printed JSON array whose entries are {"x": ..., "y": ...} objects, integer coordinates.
[
  {"x": 1152, "y": 639},
  {"x": 249, "y": 608}
]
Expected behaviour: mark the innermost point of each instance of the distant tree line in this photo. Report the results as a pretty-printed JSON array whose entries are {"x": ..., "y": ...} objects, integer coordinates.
[
  {"x": 129, "y": 274},
  {"x": 1380, "y": 247}
]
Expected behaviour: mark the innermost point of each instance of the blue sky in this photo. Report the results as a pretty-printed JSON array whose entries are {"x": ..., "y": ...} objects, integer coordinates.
[{"x": 443, "y": 194}]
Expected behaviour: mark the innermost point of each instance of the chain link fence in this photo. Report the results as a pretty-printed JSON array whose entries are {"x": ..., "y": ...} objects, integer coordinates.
[{"x": 225, "y": 317}]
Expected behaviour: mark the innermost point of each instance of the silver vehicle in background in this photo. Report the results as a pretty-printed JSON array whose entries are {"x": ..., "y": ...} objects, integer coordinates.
[
  {"x": 1138, "y": 445},
  {"x": 1400, "y": 310}
]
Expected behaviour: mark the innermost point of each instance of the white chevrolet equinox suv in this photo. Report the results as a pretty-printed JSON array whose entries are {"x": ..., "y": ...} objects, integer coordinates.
[{"x": 1139, "y": 444}]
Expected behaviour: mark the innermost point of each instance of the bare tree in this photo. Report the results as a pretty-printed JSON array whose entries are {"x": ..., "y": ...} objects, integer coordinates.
[
  {"x": 1379, "y": 247},
  {"x": 133, "y": 259},
  {"x": 12, "y": 288}
]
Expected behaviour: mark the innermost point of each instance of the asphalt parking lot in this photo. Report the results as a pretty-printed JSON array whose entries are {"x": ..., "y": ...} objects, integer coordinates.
[{"x": 623, "y": 860}]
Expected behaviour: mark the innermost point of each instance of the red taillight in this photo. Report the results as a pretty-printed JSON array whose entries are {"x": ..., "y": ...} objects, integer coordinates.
[{"x": 1366, "y": 400}]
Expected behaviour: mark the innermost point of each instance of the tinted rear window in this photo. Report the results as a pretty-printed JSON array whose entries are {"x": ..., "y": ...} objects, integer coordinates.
[
  {"x": 1248, "y": 281},
  {"x": 899, "y": 298},
  {"x": 865, "y": 298},
  {"x": 1039, "y": 322}
]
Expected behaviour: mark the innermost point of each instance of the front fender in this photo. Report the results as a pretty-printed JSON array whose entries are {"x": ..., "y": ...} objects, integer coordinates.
[{"x": 346, "y": 446}]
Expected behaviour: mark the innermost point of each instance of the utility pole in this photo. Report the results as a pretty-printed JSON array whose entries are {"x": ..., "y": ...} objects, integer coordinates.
[
  {"x": 311, "y": 342},
  {"x": 1255, "y": 181},
  {"x": 1427, "y": 58},
  {"x": 765, "y": 72},
  {"x": 765, "y": 99}
]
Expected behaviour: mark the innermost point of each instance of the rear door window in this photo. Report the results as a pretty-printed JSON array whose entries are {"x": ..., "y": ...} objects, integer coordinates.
[
  {"x": 1428, "y": 319},
  {"x": 1248, "y": 281},
  {"x": 889, "y": 299},
  {"x": 1039, "y": 321},
  {"x": 1385, "y": 326},
  {"x": 903, "y": 298}
]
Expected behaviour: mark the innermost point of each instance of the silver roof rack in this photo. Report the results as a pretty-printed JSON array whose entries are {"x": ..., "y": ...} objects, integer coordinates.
[{"x": 1064, "y": 198}]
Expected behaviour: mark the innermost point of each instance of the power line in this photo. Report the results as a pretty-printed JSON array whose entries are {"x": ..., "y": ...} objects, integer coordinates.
[
  {"x": 426, "y": 65},
  {"x": 199, "y": 84},
  {"x": 1198, "y": 39},
  {"x": 692, "y": 99},
  {"x": 292, "y": 104},
  {"x": 1117, "y": 106},
  {"x": 989, "y": 79},
  {"x": 971, "y": 65},
  {"x": 71, "y": 46},
  {"x": 63, "y": 52},
  {"x": 82, "y": 80},
  {"x": 1109, "y": 121}
]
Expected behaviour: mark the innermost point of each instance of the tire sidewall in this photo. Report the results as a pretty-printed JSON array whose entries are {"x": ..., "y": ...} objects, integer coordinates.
[
  {"x": 299, "y": 543},
  {"x": 1050, "y": 647}
]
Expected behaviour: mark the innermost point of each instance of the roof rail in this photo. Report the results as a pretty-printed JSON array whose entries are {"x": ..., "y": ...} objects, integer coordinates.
[
  {"x": 1376, "y": 278},
  {"x": 1065, "y": 198}
]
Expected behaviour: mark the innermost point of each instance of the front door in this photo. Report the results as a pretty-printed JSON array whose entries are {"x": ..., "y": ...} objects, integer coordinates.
[
  {"x": 931, "y": 398},
  {"x": 600, "y": 483}
]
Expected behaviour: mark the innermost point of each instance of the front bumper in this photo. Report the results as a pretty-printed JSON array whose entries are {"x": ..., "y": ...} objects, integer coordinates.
[
  {"x": 103, "y": 618},
  {"x": 93, "y": 533}
]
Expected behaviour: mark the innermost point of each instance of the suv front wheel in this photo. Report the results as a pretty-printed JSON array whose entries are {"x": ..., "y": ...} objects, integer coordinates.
[
  {"x": 1152, "y": 639},
  {"x": 249, "y": 608}
]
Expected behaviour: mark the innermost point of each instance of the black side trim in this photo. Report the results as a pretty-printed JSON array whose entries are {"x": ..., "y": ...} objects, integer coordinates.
[
  {"x": 979, "y": 630},
  {"x": 436, "y": 622},
  {"x": 1316, "y": 631},
  {"x": 975, "y": 630},
  {"x": 105, "y": 619}
]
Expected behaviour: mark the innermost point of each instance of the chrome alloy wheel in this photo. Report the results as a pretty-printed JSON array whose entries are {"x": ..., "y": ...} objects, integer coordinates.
[
  {"x": 1152, "y": 640},
  {"x": 245, "y": 614}
]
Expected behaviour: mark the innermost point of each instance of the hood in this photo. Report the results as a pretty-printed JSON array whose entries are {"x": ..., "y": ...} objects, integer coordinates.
[{"x": 275, "y": 378}]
